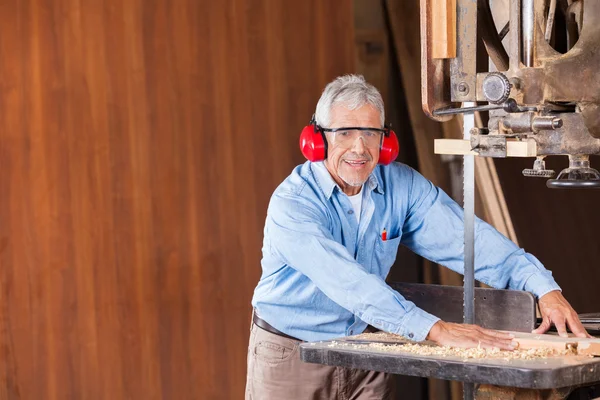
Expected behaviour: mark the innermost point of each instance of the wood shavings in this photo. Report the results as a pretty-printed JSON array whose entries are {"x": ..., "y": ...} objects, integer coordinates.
[
  {"x": 465, "y": 354},
  {"x": 381, "y": 337},
  {"x": 392, "y": 343}
]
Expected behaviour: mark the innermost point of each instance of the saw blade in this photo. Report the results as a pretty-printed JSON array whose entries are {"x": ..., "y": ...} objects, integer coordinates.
[{"x": 469, "y": 221}]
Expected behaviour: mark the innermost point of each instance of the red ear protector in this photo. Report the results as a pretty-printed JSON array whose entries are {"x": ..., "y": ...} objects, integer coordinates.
[{"x": 313, "y": 144}]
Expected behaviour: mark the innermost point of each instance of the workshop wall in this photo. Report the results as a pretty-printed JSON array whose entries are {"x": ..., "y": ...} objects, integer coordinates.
[{"x": 139, "y": 144}]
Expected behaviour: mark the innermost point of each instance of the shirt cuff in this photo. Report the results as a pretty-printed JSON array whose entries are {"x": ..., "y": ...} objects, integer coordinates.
[
  {"x": 416, "y": 324},
  {"x": 539, "y": 285}
]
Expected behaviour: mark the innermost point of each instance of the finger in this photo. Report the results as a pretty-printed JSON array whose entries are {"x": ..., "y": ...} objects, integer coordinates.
[
  {"x": 469, "y": 337},
  {"x": 544, "y": 326},
  {"x": 473, "y": 337},
  {"x": 502, "y": 345},
  {"x": 561, "y": 326},
  {"x": 576, "y": 326},
  {"x": 497, "y": 334},
  {"x": 498, "y": 341}
]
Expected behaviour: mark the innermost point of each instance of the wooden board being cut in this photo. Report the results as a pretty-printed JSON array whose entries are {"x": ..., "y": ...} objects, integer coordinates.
[
  {"x": 581, "y": 346},
  {"x": 514, "y": 148}
]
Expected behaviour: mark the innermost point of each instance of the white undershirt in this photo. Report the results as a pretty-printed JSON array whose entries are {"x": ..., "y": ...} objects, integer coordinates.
[{"x": 356, "y": 201}]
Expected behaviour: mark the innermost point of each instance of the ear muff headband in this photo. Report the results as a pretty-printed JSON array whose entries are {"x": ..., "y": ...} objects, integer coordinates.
[{"x": 313, "y": 144}]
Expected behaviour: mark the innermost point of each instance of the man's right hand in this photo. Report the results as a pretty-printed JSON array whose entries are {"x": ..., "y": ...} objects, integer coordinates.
[{"x": 463, "y": 335}]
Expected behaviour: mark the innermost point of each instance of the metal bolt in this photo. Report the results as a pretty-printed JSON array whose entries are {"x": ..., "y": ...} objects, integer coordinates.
[
  {"x": 557, "y": 123},
  {"x": 463, "y": 88},
  {"x": 546, "y": 123}
]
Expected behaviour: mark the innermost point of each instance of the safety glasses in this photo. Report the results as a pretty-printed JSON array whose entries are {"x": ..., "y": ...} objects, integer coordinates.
[{"x": 346, "y": 137}]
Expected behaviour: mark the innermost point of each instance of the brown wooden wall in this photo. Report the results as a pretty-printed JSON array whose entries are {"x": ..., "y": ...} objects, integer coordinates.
[{"x": 140, "y": 141}]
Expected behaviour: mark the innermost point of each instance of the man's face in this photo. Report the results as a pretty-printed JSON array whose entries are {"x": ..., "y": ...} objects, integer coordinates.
[{"x": 351, "y": 160}]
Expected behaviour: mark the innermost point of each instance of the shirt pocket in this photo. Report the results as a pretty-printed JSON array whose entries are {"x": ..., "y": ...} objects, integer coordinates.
[{"x": 385, "y": 254}]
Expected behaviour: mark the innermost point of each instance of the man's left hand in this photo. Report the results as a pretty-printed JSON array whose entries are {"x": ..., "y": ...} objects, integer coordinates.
[{"x": 556, "y": 310}]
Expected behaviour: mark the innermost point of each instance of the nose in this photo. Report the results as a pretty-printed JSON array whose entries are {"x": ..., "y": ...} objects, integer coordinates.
[{"x": 359, "y": 145}]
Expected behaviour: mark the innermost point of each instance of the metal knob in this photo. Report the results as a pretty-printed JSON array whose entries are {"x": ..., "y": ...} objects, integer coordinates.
[
  {"x": 539, "y": 169},
  {"x": 496, "y": 87},
  {"x": 579, "y": 175}
]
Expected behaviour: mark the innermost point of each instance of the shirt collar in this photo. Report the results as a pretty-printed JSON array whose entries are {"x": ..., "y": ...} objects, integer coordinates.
[{"x": 327, "y": 184}]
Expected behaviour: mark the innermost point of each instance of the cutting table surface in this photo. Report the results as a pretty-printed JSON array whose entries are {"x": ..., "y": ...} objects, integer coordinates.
[{"x": 545, "y": 373}]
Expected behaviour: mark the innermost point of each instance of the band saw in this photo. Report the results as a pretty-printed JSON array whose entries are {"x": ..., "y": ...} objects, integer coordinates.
[{"x": 541, "y": 89}]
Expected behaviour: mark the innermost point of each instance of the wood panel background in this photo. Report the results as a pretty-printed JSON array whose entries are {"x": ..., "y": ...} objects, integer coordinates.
[{"x": 140, "y": 141}]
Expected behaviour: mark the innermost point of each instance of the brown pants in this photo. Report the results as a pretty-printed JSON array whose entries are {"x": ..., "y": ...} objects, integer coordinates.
[{"x": 275, "y": 372}]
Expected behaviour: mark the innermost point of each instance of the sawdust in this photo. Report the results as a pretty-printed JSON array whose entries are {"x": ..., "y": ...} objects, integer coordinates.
[
  {"x": 381, "y": 337},
  {"x": 389, "y": 342}
]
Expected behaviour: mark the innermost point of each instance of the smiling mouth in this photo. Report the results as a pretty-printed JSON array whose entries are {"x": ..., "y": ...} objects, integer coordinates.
[{"x": 355, "y": 163}]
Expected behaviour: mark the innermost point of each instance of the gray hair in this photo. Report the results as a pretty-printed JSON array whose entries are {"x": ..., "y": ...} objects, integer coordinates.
[{"x": 351, "y": 91}]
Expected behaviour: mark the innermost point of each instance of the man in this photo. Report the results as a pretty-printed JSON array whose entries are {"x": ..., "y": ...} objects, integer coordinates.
[{"x": 331, "y": 235}]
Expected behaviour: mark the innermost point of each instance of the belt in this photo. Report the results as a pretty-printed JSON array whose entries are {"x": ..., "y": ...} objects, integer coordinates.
[{"x": 261, "y": 323}]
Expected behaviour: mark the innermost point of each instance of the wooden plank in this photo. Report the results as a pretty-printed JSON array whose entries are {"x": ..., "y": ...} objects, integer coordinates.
[
  {"x": 517, "y": 148},
  {"x": 443, "y": 28},
  {"x": 463, "y": 147},
  {"x": 453, "y": 146},
  {"x": 582, "y": 346},
  {"x": 525, "y": 340},
  {"x": 434, "y": 73}
]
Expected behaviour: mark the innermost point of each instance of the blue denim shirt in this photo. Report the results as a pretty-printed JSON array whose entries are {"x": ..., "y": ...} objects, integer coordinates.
[{"x": 323, "y": 273}]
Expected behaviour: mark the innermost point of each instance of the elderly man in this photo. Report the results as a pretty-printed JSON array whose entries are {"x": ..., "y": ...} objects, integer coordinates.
[{"x": 331, "y": 235}]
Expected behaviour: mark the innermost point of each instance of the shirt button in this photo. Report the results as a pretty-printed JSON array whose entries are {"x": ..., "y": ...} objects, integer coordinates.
[
  {"x": 410, "y": 335},
  {"x": 352, "y": 332},
  {"x": 350, "y": 212}
]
